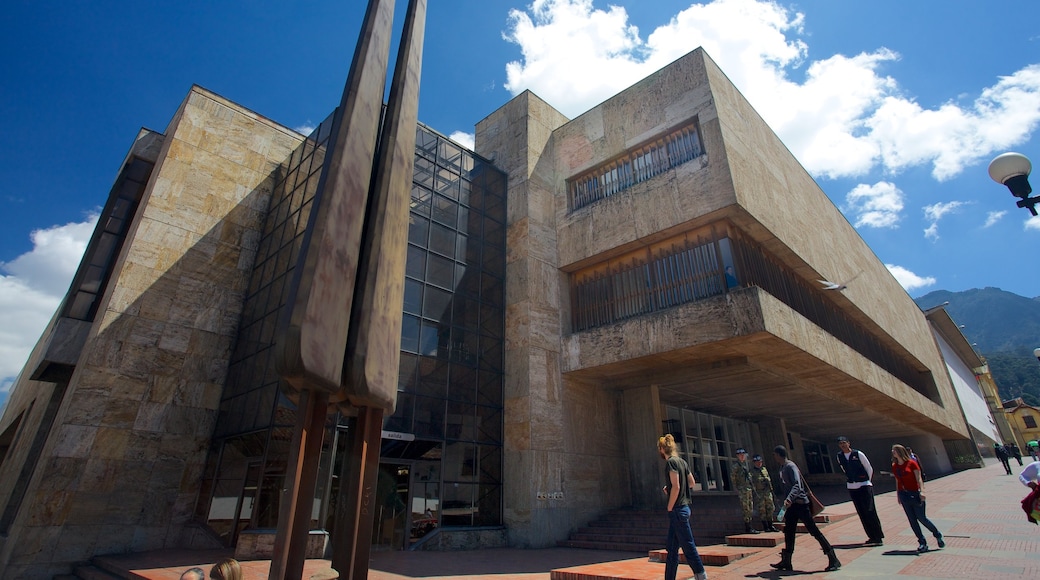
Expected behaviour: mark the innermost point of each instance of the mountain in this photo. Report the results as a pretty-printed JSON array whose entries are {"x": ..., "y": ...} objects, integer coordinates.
[{"x": 1005, "y": 328}]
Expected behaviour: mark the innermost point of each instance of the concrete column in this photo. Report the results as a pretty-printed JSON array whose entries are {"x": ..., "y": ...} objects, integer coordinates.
[{"x": 642, "y": 417}]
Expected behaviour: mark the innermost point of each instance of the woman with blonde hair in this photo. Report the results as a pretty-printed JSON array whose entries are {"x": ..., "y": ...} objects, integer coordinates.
[
  {"x": 910, "y": 493},
  {"x": 680, "y": 482},
  {"x": 226, "y": 569}
]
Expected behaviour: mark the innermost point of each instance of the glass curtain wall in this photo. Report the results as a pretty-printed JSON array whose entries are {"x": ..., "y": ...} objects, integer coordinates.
[
  {"x": 450, "y": 392},
  {"x": 708, "y": 443}
]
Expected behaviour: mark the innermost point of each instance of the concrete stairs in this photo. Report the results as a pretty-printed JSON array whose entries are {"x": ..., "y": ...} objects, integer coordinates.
[{"x": 645, "y": 531}]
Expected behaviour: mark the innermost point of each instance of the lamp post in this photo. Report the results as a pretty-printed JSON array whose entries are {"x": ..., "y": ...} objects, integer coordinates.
[
  {"x": 1012, "y": 170},
  {"x": 1036, "y": 353}
]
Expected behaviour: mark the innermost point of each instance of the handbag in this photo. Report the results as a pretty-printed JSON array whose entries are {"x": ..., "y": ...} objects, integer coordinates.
[{"x": 815, "y": 506}]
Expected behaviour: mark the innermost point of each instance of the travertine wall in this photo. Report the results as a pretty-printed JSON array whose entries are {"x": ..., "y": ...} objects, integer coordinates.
[
  {"x": 559, "y": 436},
  {"x": 121, "y": 469}
]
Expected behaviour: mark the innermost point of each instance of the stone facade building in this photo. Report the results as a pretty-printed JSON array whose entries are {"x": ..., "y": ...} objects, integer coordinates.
[{"x": 650, "y": 266}]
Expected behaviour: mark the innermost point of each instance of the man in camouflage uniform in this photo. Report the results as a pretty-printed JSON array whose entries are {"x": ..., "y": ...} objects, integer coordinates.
[
  {"x": 740, "y": 475},
  {"x": 764, "y": 490}
]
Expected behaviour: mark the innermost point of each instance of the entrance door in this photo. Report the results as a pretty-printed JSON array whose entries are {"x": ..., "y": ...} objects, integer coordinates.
[
  {"x": 425, "y": 499},
  {"x": 391, "y": 508}
]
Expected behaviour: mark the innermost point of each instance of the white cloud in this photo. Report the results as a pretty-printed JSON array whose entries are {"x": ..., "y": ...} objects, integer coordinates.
[
  {"x": 935, "y": 212},
  {"x": 876, "y": 206},
  {"x": 31, "y": 287},
  {"x": 993, "y": 217},
  {"x": 463, "y": 138},
  {"x": 1033, "y": 223},
  {"x": 845, "y": 119},
  {"x": 907, "y": 279}
]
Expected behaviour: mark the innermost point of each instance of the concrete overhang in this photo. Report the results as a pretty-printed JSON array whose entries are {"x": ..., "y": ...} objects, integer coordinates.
[{"x": 748, "y": 355}]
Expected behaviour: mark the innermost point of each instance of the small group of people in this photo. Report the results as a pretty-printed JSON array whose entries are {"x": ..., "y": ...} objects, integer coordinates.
[
  {"x": 797, "y": 507},
  {"x": 1006, "y": 452},
  {"x": 226, "y": 569}
]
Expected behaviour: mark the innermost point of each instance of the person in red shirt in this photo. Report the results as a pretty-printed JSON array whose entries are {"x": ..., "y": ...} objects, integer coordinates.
[{"x": 910, "y": 493}]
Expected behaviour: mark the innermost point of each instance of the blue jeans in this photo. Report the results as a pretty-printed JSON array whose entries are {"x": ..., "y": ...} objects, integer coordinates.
[
  {"x": 680, "y": 535},
  {"x": 914, "y": 508}
]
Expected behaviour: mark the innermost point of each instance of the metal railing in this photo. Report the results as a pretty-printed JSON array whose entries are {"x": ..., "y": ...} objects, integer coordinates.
[
  {"x": 635, "y": 166},
  {"x": 695, "y": 270}
]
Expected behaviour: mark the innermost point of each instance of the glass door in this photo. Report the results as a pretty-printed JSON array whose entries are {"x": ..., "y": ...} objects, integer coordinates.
[
  {"x": 391, "y": 513},
  {"x": 426, "y": 499}
]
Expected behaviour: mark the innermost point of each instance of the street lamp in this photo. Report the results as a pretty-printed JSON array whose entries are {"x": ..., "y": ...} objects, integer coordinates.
[
  {"x": 1036, "y": 353},
  {"x": 1012, "y": 170}
]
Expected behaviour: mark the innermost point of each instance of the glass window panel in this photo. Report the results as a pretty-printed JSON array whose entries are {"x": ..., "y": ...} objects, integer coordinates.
[
  {"x": 418, "y": 229},
  {"x": 463, "y": 383},
  {"x": 442, "y": 240},
  {"x": 437, "y": 304},
  {"x": 103, "y": 250},
  {"x": 92, "y": 279},
  {"x": 415, "y": 266},
  {"x": 465, "y": 189},
  {"x": 439, "y": 271},
  {"x": 81, "y": 305},
  {"x": 492, "y": 291},
  {"x": 460, "y": 272},
  {"x": 450, "y": 155},
  {"x": 445, "y": 211},
  {"x": 489, "y": 387},
  {"x": 413, "y": 295},
  {"x": 494, "y": 233},
  {"x": 429, "y": 339},
  {"x": 407, "y": 372},
  {"x": 461, "y": 421},
  {"x": 489, "y": 425},
  {"x": 429, "y": 417},
  {"x": 424, "y": 171},
  {"x": 490, "y": 353},
  {"x": 461, "y": 244},
  {"x": 494, "y": 261},
  {"x": 466, "y": 311},
  {"x": 473, "y": 251},
  {"x": 401, "y": 420},
  {"x": 495, "y": 208},
  {"x": 422, "y": 200},
  {"x": 409, "y": 333},
  {"x": 448, "y": 184}
]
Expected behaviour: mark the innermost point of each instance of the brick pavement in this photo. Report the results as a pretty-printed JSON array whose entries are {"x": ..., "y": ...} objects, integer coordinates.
[{"x": 987, "y": 536}]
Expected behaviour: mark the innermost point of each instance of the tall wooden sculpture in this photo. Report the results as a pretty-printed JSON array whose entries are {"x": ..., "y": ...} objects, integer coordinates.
[{"x": 339, "y": 337}]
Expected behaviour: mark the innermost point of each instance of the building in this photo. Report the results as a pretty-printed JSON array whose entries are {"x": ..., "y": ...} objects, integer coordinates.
[
  {"x": 1025, "y": 422},
  {"x": 622, "y": 322},
  {"x": 650, "y": 266},
  {"x": 964, "y": 365}
]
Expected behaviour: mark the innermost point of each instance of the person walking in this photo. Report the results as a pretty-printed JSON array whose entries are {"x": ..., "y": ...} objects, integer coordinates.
[
  {"x": 763, "y": 485},
  {"x": 680, "y": 482},
  {"x": 740, "y": 476},
  {"x": 1015, "y": 452},
  {"x": 796, "y": 509},
  {"x": 858, "y": 474},
  {"x": 1034, "y": 449},
  {"x": 1002, "y": 454},
  {"x": 1030, "y": 476},
  {"x": 910, "y": 494}
]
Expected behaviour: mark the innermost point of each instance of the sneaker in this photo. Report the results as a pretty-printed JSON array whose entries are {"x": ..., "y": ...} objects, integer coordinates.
[
  {"x": 701, "y": 575},
  {"x": 873, "y": 542},
  {"x": 923, "y": 547},
  {"x": 941, "y": 542}
]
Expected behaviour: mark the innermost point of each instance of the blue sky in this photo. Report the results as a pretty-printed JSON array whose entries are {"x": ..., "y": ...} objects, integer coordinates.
[{"x": 894, "y": 107}]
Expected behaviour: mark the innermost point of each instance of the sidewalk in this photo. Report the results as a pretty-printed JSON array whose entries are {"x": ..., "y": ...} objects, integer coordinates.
[{"x": 987, "y": 536}]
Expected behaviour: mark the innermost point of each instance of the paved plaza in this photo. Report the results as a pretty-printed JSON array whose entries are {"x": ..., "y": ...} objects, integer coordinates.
[{"x": 987, "y": 536}]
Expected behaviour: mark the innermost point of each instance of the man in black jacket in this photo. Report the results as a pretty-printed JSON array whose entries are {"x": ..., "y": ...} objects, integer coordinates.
[{"x": 857, "y": 479}]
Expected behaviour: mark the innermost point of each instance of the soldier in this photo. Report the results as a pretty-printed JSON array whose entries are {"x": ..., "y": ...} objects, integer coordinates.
[
  {"x": 740, "y": 475},
  {"x": 764, "y": 489}
]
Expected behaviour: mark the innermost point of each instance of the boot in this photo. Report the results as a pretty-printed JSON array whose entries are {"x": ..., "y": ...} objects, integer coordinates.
[
  {"x": 748, "y": 529},
  {"x": 785, "y": 561},
  {"x": 767, "y": 526},
  {"x": 832, "y": 561}
]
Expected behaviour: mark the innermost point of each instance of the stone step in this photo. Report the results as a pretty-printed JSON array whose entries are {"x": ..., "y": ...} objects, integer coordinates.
[
  {"x": 763, "y": 540},
  {"x": 719, "y": 555}
]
